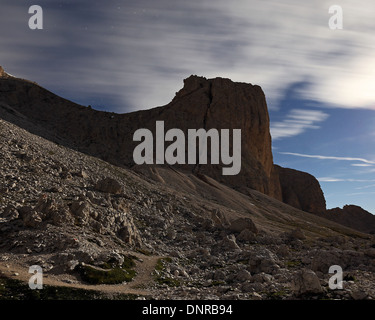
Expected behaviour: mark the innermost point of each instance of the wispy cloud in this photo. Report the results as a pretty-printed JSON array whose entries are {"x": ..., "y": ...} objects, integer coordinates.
[
  {"x": 138, "y": 52},
  {"x": 365, "y": 161},
  {"x": 296, "y": 122},
  {"x": 366, "y": 187},
  {"x": 331, "y": 179},
  {"x": 361, "y": 165},
  {"x": 359, "y": 193}
]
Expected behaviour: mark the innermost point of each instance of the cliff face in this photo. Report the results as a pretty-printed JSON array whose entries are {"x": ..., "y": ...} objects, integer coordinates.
[
  {"x": 201, "y": 103},
  {"x": 222, "y": 104},
  {"x": 301, "y": 190}
]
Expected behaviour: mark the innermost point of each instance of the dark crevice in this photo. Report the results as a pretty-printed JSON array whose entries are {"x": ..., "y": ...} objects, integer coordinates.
[{"x": 210, "y": 99}]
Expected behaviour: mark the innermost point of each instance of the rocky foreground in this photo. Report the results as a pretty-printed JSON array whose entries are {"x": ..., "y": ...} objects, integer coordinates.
[{"x": 71, "y": 213}]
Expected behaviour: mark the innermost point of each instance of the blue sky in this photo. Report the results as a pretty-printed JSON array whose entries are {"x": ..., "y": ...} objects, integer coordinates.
[{"x": 123, "y": 56}]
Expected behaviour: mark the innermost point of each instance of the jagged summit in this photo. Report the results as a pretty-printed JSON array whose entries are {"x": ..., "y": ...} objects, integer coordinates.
[{"x": 4, "y": 74}]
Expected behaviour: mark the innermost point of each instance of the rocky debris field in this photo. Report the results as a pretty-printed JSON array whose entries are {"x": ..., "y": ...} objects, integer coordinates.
[{"x": 84, "y": 220}]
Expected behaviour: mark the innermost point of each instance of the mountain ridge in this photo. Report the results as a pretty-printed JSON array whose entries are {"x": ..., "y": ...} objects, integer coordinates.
[{"x": 201, "y": 103}]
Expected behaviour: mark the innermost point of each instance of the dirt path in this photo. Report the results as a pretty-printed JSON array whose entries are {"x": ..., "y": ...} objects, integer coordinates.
[{"x": 139, "y": 285}]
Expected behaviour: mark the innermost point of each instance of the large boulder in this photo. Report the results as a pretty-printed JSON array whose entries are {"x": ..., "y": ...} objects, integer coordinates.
[
  {"x": 306, "y": 282},
  {"x": 108, "y": 185},
  {"x": 241, "y": 224}
]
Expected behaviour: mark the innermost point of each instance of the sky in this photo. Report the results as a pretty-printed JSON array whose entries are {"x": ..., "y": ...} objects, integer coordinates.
[{"x": 123, "y": 56}]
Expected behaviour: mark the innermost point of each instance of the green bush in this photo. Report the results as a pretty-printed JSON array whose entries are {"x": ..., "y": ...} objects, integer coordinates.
[
  {"x": 94, "y": 275},
  {"x": 109, "y": 273}
]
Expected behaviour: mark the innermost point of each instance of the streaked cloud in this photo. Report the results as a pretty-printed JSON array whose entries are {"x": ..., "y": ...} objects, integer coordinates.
[
  {"x": 361, "y": 165},
  {"x": 331, "y": 179},
  {"x": 138, "y": 52},
  {"x": 296, "y": 122},
  {"x": 368, "y": 162},
  {"x": 359, "y": 193},
  {"x": 366, "y": 187}
]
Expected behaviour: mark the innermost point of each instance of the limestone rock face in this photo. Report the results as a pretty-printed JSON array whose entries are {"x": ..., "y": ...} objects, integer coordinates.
[
  {"x": 201, "y": 103},
  {"x": 301, "y": 190},
  {"x": 222, "y": 104}
]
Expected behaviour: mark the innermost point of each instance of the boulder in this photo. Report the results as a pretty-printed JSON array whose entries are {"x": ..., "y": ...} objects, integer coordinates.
[
  {"x": 359, "y": 294},
  {"x": 229, "y": 242},
  {"x": 262, "y": 260},
  {"x": 10, "y": 212},
  {"x": 243, "y": 275},
  {"x": 246, "y": 236},
  {"x": 323, "y": 259},
  {"x": 297, "y": 234},
  {"x": 306, "y": 282},
  {"x": 108, "y": 185},
  {"x": 241, "y": 224},
  {"x": 31, "y": 218}
]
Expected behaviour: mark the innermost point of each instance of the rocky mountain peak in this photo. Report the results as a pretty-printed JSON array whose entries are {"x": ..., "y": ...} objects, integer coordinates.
[
  {"x": 220, "y": 103},
  {"x": 192, "y": 84},
  {"x": 2, "y": 72}
]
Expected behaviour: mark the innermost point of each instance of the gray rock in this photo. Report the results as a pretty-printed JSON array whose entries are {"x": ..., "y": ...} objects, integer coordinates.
[
  {"x": 229, "y": 242},
  {"x": 246, "y": 235},
  {"x": 243, "y": 275},
  {"x": 240, "y": 224},
  {"x": 219, "y": 275},
  {"x": 359, "y": 294},
  {"x": 108, "y": 185},
  {"x": 31, "y": 218},
  {"x": 306, "y": 282},
  {"x": 297, "y": 234},
  {"x": 71, "y": 264},
  {"x": 263, "y": 260},
  {"x": 10, "y": 212},
  {"x": 323, "y": 259},
  {"x": 370, "y": 252},
  {"x": 262, "y": 277}
]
